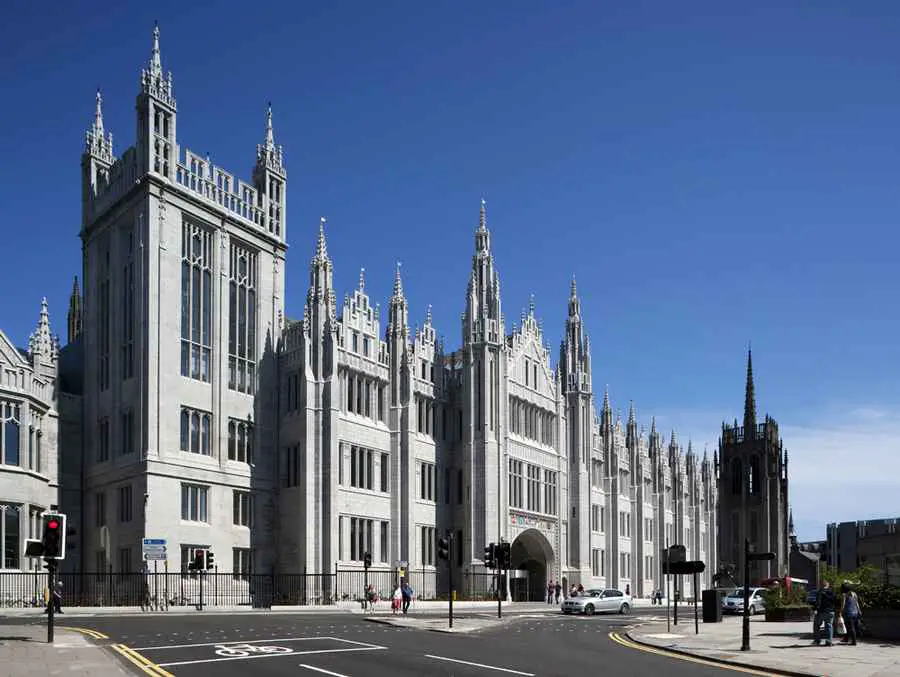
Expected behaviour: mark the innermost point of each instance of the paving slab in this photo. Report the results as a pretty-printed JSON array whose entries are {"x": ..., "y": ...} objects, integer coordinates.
[
  {"x": 785, "y": 648},
  {"x": 25, "y": 652}
]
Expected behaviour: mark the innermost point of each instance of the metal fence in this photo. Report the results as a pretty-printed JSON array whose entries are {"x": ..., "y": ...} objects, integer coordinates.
[{"x": 177, "y": 589}]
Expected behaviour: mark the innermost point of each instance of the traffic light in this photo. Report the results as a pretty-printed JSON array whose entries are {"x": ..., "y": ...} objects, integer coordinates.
[
  {"x": 503, "y": 556},
  {"x": 54, "y": 535},
  {"x": 443, "y": 549},
  {"x": 367, "y": 559},
  {"x": 490, "y": 556},
  {"x": 199, "y": 559},
  {"x": 210, "y": 560}
]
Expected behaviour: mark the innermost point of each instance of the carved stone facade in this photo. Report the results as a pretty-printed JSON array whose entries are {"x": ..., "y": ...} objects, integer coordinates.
[{"x": 211, "y": 420}]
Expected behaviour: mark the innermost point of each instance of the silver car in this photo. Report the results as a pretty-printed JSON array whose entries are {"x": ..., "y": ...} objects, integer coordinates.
[{"x": 598, "y": 601}]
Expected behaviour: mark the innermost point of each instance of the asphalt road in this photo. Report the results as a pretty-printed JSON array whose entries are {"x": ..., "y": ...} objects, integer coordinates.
[{"x": 344, "y": 645}]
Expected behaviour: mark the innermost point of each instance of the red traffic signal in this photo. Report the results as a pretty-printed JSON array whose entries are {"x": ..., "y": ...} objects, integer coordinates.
[{"x": 54, "y": 535}]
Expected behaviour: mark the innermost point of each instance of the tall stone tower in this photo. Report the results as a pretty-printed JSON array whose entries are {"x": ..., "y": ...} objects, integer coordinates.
[
  {"x": 484, "y": 388},
  {"x": 752, "y": 470},
  {"x": 575, "y": 378}
]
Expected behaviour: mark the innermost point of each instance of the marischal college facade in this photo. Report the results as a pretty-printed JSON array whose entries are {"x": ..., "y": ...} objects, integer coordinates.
[{"x": 186, "y": 406}]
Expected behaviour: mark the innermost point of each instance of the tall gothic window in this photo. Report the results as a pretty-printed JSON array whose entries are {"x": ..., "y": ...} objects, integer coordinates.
[
  {"x": 737, "y": 482},
  {"x": 196, "y": 305},
  {"x": 242, "y": 320},
  {"x": 753, "y": 488},
  {"x": 9, "y": 433},
  {"x": 104, "y": 319},
  {"x": 127, "y": 314},
  {"x": 10, "y": 536}
]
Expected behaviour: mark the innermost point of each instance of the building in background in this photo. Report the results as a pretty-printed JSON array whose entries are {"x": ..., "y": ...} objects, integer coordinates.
[
  {"x": 850, "y": 545},
  {"x": 752, "y": 471}
]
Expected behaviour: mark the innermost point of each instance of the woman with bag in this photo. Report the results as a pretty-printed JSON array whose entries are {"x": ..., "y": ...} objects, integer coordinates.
[{"x": 850, "y": 613}]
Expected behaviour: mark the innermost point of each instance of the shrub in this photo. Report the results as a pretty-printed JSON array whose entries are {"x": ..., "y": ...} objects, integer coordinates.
[{"x": 779, "y": 597}]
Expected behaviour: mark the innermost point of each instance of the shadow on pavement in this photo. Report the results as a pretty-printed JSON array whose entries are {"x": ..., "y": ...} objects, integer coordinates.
[{"x": 15, "y": 638}]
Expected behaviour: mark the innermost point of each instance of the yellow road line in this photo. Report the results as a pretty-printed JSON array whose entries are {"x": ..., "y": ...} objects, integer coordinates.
[
  {"x": 631, "y": 644},
  {"x": 141, "y": 661},
  {"x": 85, "y": 631}
]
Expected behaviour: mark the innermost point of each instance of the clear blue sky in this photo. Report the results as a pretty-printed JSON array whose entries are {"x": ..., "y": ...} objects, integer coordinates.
[{"x": 711, "y": 172}]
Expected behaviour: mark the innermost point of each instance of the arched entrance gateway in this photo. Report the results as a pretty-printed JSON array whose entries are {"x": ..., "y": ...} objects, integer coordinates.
[{"x": 531, "y": 561}]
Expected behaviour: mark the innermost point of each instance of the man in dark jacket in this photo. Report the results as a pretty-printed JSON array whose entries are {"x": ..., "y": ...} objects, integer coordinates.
[{"x": 826, "y": 603}]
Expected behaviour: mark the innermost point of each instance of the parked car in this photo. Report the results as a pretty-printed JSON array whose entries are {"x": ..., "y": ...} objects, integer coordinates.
[
  {"x": 590, "y": 602},
  {"x": 733, "y": 602}
]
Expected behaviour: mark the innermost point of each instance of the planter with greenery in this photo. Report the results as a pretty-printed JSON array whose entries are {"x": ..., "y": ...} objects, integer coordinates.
[{"x": 784, "y": 605}]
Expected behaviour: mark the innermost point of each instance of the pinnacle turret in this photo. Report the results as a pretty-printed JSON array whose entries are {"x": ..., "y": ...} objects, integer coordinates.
[
  {"x": 95, "y": 142},
  {"x": 152, "y": 81},
  {"x": 269, "y": 155},
  {"x": 42, "y": 345}
]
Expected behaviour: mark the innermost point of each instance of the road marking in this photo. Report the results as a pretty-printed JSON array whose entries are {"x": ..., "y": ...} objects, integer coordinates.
[
  {"x": 85, "y": 631},
  {"x": 271, "y": 655},
  {"x": 322, "y": 670},
  {"x": 480, "y": 665},
  {"x": 630, "y": 644},
  {"x": 141, "y": 661}
]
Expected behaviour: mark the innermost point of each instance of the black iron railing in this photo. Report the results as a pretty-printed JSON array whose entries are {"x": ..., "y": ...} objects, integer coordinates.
[{"x": 217, "y": 589}]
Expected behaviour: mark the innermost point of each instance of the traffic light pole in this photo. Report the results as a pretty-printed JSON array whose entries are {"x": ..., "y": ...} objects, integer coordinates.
[
  {"x": 745, "y": 630},
  {"x": 200, "y": 608},
  {"x": 51, "y": 584},
  {"x": 499, "y": 600},
  {"x": 450, "y": 552}
]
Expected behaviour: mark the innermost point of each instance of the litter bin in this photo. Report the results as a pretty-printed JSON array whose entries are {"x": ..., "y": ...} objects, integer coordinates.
[{"x": 712, "y": 606}]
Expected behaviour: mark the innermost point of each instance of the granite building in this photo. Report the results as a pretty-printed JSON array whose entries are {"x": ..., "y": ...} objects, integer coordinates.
[{"x": 210, "y": 419}]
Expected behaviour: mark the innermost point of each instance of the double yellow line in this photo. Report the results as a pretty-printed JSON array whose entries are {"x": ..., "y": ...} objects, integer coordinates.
[
  {"x": 631, "y": 644},
  {"x": 140, "y": 661},
  {"x": 85, "y": 631}
]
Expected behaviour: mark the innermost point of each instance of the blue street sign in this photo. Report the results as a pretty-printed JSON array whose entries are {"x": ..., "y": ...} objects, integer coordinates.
[{"x": 154, "y": 541}]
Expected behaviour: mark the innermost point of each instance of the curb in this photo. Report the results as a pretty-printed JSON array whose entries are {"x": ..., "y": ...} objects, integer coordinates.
[
  {"x": 387, "y": 620},
  {"x": 721, "y": 661}
]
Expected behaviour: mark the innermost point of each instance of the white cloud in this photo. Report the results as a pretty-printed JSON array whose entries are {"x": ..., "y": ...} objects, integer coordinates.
[{"x": 843, "y": 466}]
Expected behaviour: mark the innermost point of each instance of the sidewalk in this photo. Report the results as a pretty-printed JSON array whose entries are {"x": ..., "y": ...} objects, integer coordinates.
[
  {"x": 24, "y": 652},
  {"x": 781, "y": 647},
  {"x": 383, "y": 607}
]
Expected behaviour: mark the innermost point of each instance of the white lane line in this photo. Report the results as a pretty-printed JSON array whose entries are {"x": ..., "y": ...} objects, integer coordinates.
[
  {"x": 273, "y": 655},
  {"x": 481, "y": 665},
  {"x": 322, "y": 670}
]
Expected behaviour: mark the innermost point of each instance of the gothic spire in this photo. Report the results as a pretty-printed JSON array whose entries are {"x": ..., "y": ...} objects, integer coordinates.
[
  {"x": 74, "y": 317},
  {"x": 152, "y": 80},
  {"x": 398, "y": 283},
  {"x": 155, "y": 60},
  {"x": 321, "y": 249},
  {"x": 95, "y": 143},
  {"x": 98, "y": 115},
  {"x": 653, "y": 426},
  {"x": 632, "y": 419},
  {"x": 268, "y": 155},
  {"x": 749, "y": 400},
  {"x": 270, "y": 135},
  {"x": 482, "y": 235},
  {"x": 362, "y": 280}
]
